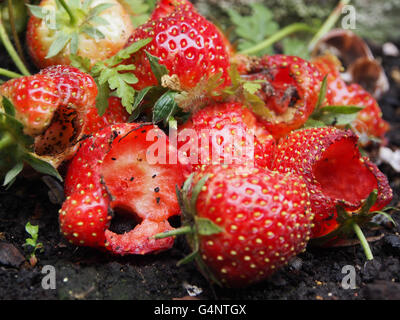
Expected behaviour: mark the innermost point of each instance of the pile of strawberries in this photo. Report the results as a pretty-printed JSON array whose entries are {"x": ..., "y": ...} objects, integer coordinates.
[{"x": 191, "y": 128}]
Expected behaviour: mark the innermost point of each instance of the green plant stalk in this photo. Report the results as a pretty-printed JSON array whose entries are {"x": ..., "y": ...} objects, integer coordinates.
[
  {"x": 288, "y": 30},
  {"x": 363, "y": 241},
  {"x": 328, "y": 24},
  {"x": 72, "y": 17},
  {"x": 11, "y": 51},
  {"x": 176, "y": 232},
  {"x": 14, "y": 31},
  {"x": 9, "y": 74}
]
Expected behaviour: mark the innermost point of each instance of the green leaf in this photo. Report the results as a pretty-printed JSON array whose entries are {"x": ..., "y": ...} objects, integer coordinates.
[
  {"x": 127, "y": 52},
  {"x": 82, "y": 63},
  {"x": 252, "y": 29},
  {"x": 322, "y": 93},
  {"x": 158, "y": 69},
  {"x": 123, "y": 90},
  {"x": 41, "y": 165},
  {"x": 37, "y": 11},
  {"x": 369, "y": 202},
  {"x": 58, "y": 45},
  {"x": 206, "y": 227},
  {"x": 100, "y": 8},
  {"x": 8, "y": 106},
  {"x": 251, "y": 87},
  {"x": 74, "y": 43},
  {"x": 342, "y": 109},
  {"x": 165, "y": 107},
  {"x": 33, "y": 231},
  {"x": 311, "y": 123},
  {"x": 93, "y": 32},
  {"x": 102, "y": 98},
  {"x": 13, "y": 173},
  {"x": 296, "y": 47}
]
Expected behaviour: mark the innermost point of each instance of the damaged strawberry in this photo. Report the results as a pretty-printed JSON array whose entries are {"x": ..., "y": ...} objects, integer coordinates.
[{"x": 114, "y": 173}]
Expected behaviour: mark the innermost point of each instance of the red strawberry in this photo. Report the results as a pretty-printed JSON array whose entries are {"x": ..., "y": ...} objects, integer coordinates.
[
  {"x": 225, "y": 133},
  {"x": 78, "y": 92},
  {"x": 166, "y": 7},
  {"x": 250, "y": 222},
  {"x": 290, "y": 91},
  {"x": 186, "y": 43},
  {"x": 91, "y": 29},
  {"x": 329, "y": 162},
  {"x": 35, "y": 99},
  {"x": 369, "y": 122},
  {"x": 114, "y": 114},
  {"x": 112, "y": 171}
]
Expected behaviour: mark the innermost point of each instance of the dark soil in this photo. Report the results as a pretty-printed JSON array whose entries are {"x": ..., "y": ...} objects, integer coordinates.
[{"x": 83, "y": 273}]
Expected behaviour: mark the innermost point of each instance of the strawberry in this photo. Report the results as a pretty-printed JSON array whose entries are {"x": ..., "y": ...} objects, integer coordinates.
[
  {"x": 35, "y": 99},
  {"x": 337, "y": 176},
  {"x": 369, "y": 122},
  {"x": 190, "y": 47},
  {"x": 244, "y": 223},
  {"x": 114, "y": 114},
  {"x": 95, "y": 29},
  {"x": 229, "y": 128},
  {"x": 112, "y": 172},
  {"x": 166, "y": 7},
  {"x": 290, "y": 91}
]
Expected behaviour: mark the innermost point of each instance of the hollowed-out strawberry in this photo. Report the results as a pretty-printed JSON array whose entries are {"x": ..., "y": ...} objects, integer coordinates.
[{"x": 336, "y": 174}]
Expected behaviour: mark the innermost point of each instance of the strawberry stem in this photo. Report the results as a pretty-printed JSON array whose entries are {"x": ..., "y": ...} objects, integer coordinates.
[
  {"x": 175, "y": 232},
  {"x": 329, "y": 23},
  {"x": 9, "y": 74},
  {"x": 11, "y": 51},
  {"x": 363, "y": 241},
  {"x": 295, "y": 27},
  {"x": 72, "y": 17},
  {"x": 14, "y": 31}
]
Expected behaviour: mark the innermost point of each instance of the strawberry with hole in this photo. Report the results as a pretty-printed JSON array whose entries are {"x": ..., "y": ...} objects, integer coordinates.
[
  {"x": 225, "y": 133},
  {"x": 243, "y": 223},
  {"x": 94, "y": 29},
  {"x": 189, "y": 46},
  {"x": 289, "y": 88},
  {"x": 338, "y": 177},
  {"x": 369, "y": 122},
  {"x": 120, "y": 170}
]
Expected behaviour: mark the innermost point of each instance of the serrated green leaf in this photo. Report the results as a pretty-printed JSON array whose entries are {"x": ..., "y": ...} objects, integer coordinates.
[
  {"x": 159, "y": 70},
  {"x": 123, "y": 91},
  {"x": 252, "y": 29},
  {"x": 13, "y": 173},
  {"x": 165, "y": 107},
  {"x": 41, "y": 166},
  {"x": 296, "y": 47},
  {"x": 58, "y": 45},
  {"x": 127, "y": 52},
  {"x": 82, "y": 63}
]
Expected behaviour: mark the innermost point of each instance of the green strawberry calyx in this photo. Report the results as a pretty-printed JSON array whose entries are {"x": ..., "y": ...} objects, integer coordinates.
[{"x": 193, "y": 226}]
